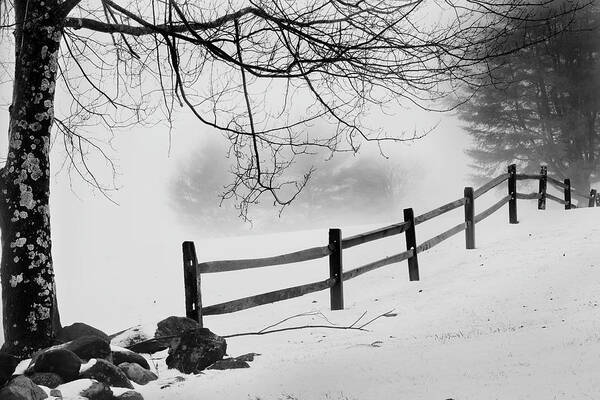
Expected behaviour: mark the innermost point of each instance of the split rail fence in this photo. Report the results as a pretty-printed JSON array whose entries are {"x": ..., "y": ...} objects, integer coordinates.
[{"x": 337, "y": 276}]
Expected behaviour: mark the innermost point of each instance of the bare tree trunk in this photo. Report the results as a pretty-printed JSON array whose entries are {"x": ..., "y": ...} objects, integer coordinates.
[{"x": 30, "y": 313}]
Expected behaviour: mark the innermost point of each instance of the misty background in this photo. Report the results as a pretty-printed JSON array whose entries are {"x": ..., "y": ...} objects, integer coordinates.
[
  {"x": 101, "y": 248},
  {"x": 169, "y": 183}
]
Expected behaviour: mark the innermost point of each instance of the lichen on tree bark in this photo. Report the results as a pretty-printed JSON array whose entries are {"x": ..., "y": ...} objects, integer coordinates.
[{"x": 30, "y": 315}]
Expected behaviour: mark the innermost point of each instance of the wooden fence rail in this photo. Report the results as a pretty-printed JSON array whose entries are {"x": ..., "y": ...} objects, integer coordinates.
[
  {"x": 374, "y": 235},
  {"x": 557, "y": 183},
  {"x": 377, "y": 264},
  {"x": 491, "y": 184},
  {"x": 336, "y": 244},
  {"x": 265, "y": 298},
  {"x": 439, "y": 211},
  {"x": 235, "y": 265}
]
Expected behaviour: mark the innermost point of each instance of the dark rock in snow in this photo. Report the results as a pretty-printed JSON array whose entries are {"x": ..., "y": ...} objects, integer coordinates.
[
  {"x": 120, "y": 355},
  {"x": 174, "y": 326},
  {"x": 79, "y": 329},
  {"x": 137, "y": 374},
  {"x": 149, "y": 347},
  {"x": 48, "y": 379},
  {"x": 166, "y": 329},
  {"x": 107, "y": 373},
  {"x": 247, "y": 357},
  {"x": 8, "y": 363},
  {"x": 98, "y": 391},
  {"x": 88, "y": 347},
  {"x": 196, "y": 350},
  {"x": 60, "y": 361},
  {"x": 56, "y": 393},
  {"x": 229, "y": 363},
  {"x": 22, "y": 388},
  {"x": 130, "y": 395}
]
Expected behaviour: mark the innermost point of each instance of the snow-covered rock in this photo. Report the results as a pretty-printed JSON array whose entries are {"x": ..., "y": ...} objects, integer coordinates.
[
  {"x": 107, "y": 373},
  {"x": 121, "y": 355},
  {"x": 60, "y": 361},
  {"x": 136, "y": 335},
  {"x": 79, "y": 329},
  {"x": 151, "y": 338},
  {"x": 88, "y": 347}
]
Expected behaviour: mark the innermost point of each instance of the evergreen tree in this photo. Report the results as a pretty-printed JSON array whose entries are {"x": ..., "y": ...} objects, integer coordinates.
[{"x": 541, "y": 104}]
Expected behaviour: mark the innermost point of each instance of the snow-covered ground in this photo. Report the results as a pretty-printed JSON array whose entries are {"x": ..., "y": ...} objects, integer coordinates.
[{"x": 516, "y": 318}]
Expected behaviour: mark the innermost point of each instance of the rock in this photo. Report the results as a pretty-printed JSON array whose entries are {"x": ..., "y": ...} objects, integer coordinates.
[
  {"x": 130, "y": 395},
  {"x": 83, "y": 389},
  {"x": 48, "y": 379},
  {"x": 97, "y": 391},
  {"x": 249, "y": 357},
  {"x": 60, "y": 361},
  {"x": 229, "y": 363},
  {"x": 8, "y": 363},
  {"x": 107, "y": 373},
  {"x": 150, "y": 347},
  {"x": 196, "y": 350},
  {"x": 73, "y": 389},
  {"x": 121, "y": 355},
  {"x": 148, "y": 338},
  {"x": 22, "y": 388},
  {"x": 174, "y": 326},
  {"x": 137, "y": 374},
  {"x": 88, "y": 347},
  {"x": 79, "y": 329},
  {"x": 139, "y": 339}
]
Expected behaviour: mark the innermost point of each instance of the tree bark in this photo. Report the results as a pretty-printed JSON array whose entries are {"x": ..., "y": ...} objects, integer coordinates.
[{"x": 30, "y": 313}]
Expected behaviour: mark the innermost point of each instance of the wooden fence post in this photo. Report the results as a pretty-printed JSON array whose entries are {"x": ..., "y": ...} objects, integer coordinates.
[
  {"x": 512, "y": 191},
  {"x": 191, "y": 281},
  {"x": 592, "y": 201},
  {"x": 543, "y": 187},
  {"x": 411, "y": 243},
  {"x": 336, "y": 292},
  {"x": 469, "y": 218},
  {"x": 567, "y": 183}
]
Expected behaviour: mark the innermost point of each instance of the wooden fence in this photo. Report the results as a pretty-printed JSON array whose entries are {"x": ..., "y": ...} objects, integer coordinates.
[{"x": 337, "y": 276}]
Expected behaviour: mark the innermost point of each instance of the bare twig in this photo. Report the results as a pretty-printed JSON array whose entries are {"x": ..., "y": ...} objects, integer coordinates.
[
  {"x": 352, "y": 326},
  {"x": 268, "y": 329}
]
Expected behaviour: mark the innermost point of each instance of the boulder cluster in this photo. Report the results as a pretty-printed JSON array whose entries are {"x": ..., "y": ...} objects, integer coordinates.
[{"x": 89, "y": 364}]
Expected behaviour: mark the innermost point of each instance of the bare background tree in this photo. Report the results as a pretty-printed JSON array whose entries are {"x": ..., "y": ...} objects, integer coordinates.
[
  {"x": 257, "y": 71},
  {"x": 343, "y": 190}
]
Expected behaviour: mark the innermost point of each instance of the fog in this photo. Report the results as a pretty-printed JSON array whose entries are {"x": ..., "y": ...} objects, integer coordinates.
[{"x": 105, "y": 249}]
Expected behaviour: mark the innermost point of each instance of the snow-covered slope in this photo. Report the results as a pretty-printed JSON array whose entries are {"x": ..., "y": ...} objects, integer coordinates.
[{"x": 516, "y": 318}]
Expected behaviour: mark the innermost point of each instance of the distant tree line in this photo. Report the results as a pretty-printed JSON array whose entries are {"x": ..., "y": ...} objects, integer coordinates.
[{"x": 344, "y": 189}]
